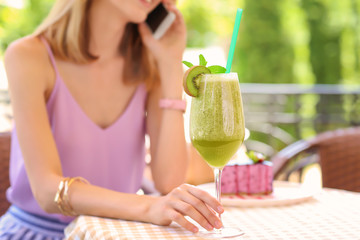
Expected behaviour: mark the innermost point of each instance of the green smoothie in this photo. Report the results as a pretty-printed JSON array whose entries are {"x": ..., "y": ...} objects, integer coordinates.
[{"x": 216, "y": 119}]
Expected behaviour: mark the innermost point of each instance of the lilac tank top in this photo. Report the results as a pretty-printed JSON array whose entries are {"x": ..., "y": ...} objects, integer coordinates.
[{"x": 112, "y": 158}]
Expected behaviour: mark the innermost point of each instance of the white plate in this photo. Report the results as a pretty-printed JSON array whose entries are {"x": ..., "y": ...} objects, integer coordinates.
[{"x": 284, "y": 193}]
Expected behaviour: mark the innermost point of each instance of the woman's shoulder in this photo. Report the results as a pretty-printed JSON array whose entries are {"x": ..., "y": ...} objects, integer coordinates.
[
  {"x": 28, "y": 56},
  {"x": 27, "y": 48}
]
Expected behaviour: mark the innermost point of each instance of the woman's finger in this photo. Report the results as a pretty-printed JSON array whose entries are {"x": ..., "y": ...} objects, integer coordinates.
[
  {"x": 189, "y": 210},
  {"x": 202, "y": 208},
  {"x": 145, "y": 34},
  {"x": 168, "y": 2},
  {"x": 181, "y": 220},
  {"x": 179, "y": 18},
  {"x": 204, "y": 196}
]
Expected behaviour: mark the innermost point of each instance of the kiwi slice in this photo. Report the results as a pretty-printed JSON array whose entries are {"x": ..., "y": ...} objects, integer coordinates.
[{"x": 192, "y": 79}]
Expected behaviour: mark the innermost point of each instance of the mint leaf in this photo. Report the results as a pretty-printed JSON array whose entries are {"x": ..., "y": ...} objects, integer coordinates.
[
  {"x": 217, "y": 69},
  {"x": 202, "y": 60},
  {"x": 188, "y": 64}
]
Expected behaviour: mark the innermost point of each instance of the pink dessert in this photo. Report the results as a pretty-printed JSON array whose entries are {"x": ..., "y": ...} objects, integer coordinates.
[{"x": 247, "y": 177}]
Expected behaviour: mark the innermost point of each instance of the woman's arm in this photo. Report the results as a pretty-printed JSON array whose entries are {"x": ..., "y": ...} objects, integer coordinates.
[
  {"x": 166, "y": 126},
  {"x": 29, "y": 74},
  {"x": 169, "y": 157}
]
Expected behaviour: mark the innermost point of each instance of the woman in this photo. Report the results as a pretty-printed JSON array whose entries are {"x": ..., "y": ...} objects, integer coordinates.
[{"x": 85, "y": 87}]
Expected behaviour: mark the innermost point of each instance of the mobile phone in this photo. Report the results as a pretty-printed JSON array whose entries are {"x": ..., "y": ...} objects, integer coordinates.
[{"x": 159, "y": 20}]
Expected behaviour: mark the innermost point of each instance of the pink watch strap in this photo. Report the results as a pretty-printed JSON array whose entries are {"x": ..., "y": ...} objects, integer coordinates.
[{"x": 173, "y": 104}]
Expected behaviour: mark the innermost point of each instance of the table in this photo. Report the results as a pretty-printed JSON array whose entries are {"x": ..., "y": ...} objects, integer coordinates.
[{"x": 331, "y": 214}]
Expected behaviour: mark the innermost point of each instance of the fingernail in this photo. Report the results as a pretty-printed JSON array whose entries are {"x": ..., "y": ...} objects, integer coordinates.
[
  {"x": 218, "y": 224},
  {"x": 209, "y": 227},
  {"x": 220, "y": 209},
  {"x": 195, "y": 230}
]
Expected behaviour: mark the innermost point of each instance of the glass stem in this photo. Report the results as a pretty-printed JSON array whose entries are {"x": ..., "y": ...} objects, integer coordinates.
[{"x": 217, "y": 174}]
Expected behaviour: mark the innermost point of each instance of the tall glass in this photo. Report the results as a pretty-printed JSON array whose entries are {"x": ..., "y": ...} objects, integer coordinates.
[{"x": 217, "y": 128}]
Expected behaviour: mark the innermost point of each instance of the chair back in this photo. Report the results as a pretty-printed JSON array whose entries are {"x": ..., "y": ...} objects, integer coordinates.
[
  {"x": 339, "y": 153},
  {"x": 5, "y": 142}
]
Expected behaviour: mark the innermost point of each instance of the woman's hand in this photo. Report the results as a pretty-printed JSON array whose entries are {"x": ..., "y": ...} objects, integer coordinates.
[
  {"x": 187, "y": 200},
  {"x": 170, "y": 47},
  {"x": 168, "y": 51}
]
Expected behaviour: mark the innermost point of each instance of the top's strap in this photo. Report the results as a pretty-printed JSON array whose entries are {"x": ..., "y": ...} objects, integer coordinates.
[{"x": 51, "y": 55}]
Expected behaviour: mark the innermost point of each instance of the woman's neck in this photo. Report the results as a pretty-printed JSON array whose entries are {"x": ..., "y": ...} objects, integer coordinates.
[{"x": 106, "y": 30}]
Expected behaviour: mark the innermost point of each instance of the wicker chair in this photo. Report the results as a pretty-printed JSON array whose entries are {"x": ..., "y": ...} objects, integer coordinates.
[
  {"x": 5, "y": 139},
  {"x": 338, "y": 153}
]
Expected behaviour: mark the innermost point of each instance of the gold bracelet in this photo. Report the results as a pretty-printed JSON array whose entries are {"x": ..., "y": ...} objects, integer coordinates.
[
  {"x": 62, "y": 197},
  {"x": 68, "y": 208},
  {"x": 59, "y": 195}
]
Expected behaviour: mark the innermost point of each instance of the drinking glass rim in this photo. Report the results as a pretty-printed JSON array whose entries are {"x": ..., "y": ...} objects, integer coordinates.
[{"x": 224, "y": 76}]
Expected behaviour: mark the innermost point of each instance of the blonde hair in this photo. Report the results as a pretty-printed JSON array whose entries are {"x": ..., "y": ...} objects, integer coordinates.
[{"x": 67, "y": 31}]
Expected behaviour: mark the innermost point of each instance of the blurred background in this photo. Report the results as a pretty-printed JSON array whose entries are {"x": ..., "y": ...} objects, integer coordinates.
[{"x": 298, "y": 60}]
